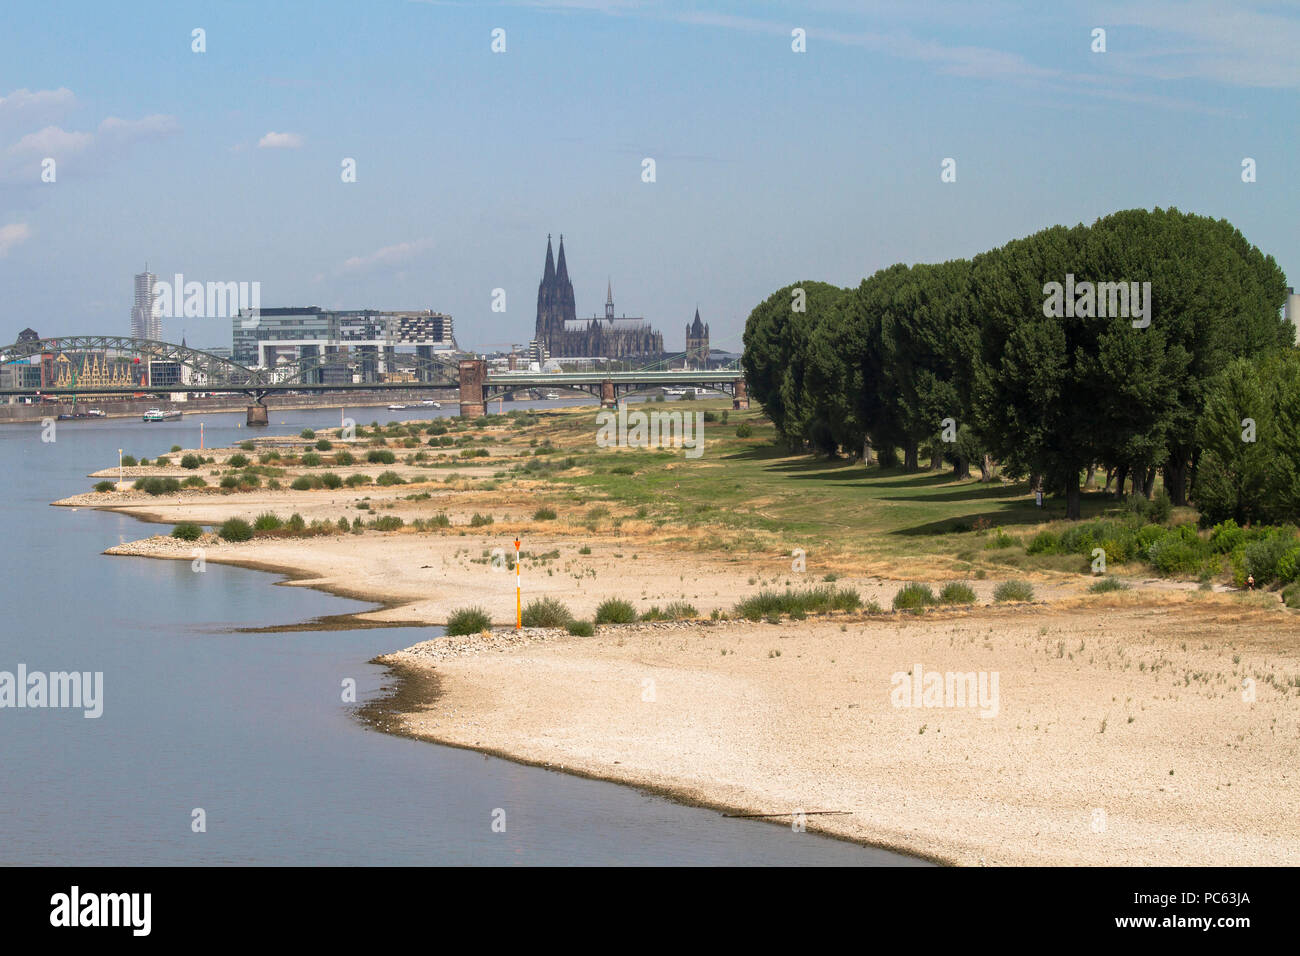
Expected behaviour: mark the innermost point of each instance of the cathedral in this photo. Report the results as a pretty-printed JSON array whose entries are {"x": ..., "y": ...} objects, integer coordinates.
[{"x": 564, "y": 335}]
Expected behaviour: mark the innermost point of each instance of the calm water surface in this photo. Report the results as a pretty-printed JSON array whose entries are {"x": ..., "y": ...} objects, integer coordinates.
[{"x": 251, "y": 727}]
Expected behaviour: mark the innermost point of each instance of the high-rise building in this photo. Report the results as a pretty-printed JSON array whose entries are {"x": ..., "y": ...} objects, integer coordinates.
[{"x": 144, "y": 324}]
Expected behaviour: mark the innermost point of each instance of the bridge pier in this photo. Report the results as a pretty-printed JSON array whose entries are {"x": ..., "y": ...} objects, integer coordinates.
[
  {"x": 473, "y": 373},
  {"x": 607, "y": 397},
  {"x": 741, "y": 397},
  {"x": 257, "y": 415}
]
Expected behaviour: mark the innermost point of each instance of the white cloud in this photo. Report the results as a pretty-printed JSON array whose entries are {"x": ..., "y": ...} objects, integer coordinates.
[
  {"x": 12, "y": 235},
  {"x": 275, "y": 140},
  {"x": 389, "y": 257},
  {"x": 76, "y": 149},
  {"x": 28, "y": 107}
]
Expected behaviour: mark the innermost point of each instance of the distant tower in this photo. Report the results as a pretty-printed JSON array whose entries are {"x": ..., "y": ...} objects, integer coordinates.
[
  {"x": 555, "y": 304},
  {"x": 144, "y": 324},
  {"x": 697, "y": 343},
  {"x": 609, "y": 300}
]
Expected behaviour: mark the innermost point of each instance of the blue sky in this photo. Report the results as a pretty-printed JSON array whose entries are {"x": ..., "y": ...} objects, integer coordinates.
[{"x": 772, "y": 166}]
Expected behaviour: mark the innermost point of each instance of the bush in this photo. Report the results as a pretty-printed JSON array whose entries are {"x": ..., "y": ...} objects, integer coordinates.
[
  {"x": 307, "y": 433},
  {"x": 1159, "y": 508},
  {"x": 236, "y": 529},
  {"x": 175, "y": 448},
  {"x": 544, "y": 514},
  {"x": 680, "y": 611},
  {"x": 187, "y": 531},
  {"x": 440, "y": 520},
  {"x": 1291, "y": 595},
  {"x": 129, "y": 460},
  {"x": 468, "y": 620},
  {"x": 1108, "y": 584},
  {"x": 246, "y": 445},
  {"x": 344, "y": 458},
  {"x": 1173, "y": 555},
  {"x": 237, "y": 460},
  {"x": 267, "y": 457},
  {"x": 1264, "y": 555},
  {"x": 191, "y": 461},
  {"x": 957, "y": 592},
  {"x": 194, "y": 481},
  {"x": 389, "y": 478},
  {"x": 1288, "y": 566},
  {"x": 546, "y": 612},
  {"x": 324, "y": 444},
  {"x": 162, "y": 461},
  {"x": 311, "y": 460},
  {"x": 301, "y": 483},
  {"x": 295, "y": 522},
  {"x": 355, "y": 480},
  {"x": 914, "y": 596},
  {"x": 743, "y": 430},
  {"x": 1045, "y": 542},
  {"x": 380, "y": 456},
  {"x": 818, "y": 600},
  {"x": 267, "y": 521},
  {"x": 478, "y": 520},
  {"x": 387, "y": 523},
  {"x": 1014, "y": 591},
  {"x": 615, "y": 611},
  {"x": 581, "y": 628},
  {"x": 1001, "y": 539},
  {"x": 158, "y": 486},
  {"x": 331, "y": 480},
  {"x": 230, "y": 481},
  {"x": 104, "y": 486}
]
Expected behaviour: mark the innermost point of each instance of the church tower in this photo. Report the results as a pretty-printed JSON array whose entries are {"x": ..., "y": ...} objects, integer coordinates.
[
  {"x": 555, "y": 302},
  {"x": 546, "y": 299},
  {"x": 609, "y": 300},
  {"x": 697, "y": 343}
]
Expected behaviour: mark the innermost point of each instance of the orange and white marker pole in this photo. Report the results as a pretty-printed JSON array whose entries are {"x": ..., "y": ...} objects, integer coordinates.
[
  {"x": 519, "y": 607},
  {"x": 200, "y": 436}
]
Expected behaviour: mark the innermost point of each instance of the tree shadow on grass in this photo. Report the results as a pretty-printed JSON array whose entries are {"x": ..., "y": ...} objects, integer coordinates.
[{"x": 1093, "y": 505}]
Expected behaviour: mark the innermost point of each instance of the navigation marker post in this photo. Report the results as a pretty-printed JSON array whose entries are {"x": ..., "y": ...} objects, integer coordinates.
[{"x": 519, "y": 607}]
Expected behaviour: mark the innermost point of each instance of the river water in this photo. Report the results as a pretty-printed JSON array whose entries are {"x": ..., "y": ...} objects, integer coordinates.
[{"x": 251, "y": 728}]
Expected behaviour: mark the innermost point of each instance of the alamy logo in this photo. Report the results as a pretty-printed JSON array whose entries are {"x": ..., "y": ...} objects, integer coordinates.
[
  {"x": 74, "y": 908},
  {"x": 651, "y": 430},
  {"x": 71, "y": 689},
  {"x": 204, "y": 300},
  {"x": 923, "y": 688},
  {"x": 1100, "y": 300}
]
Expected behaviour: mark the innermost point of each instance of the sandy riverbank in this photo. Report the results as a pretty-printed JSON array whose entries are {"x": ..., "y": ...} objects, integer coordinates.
[{"x": 1121, "y": 735}]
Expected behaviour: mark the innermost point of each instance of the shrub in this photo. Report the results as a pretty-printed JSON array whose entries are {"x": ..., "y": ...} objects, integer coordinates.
[
  {"x": 267, "y": 521},
  {"x": 743, "y": 430},
  {"x": 546, "y": 612},
  {"x": 440, "y": 520},
  {"x": 162, "y": 461},
  {"x": 246, "y": 445},
  {"x": 389, "y": 478},
  {"x": 468, "y": 620},
  {"x": 581, "y": 628},
  {"x": 324, "y": 444},
  {"x": 957, "y": 592},
  {"x": 194, "y": 481},
  {"x": 344, "y": 458},
  {"x": 1014, "y": 591},
  {"x": 1001, "y": 539},
  {"x": 1264, "y": 555},
  {"x": 1160, "y": 507},
  {"x": 237, "y": 460},
  {"x": 680, "y": 611},
  {"x": 615, "y": 611},
  {"x": 544, "y": 514},
  {"x": 343, "y": 524},
  {"x": 175, "y": 448},
  {"x": 267, "y": 457},
  {"x": 307, "y": 433},
  {"x": 230, "y": 481},
  {"x": 380, "y": 456},
  {"x": 1108, "y": 584},
  {"x": 1288, "y": 566},
  {"x": 1291, "y": 595},
  {"x": 913, "y": 596},
  {"x": 104, "y": 486},
  {"x": 478, "y": 520},
  {"x": 129, "y": 460},
  {"x": 191, "y": 461},
  {"x": 355, "y": 480},
  {"x": 387, "y": 523},
  {"x": 187, "y": 531},
  {"x": 236, "y": 529},
  {"x": 301, "y": 483},
  {"x": 1045, "y": 542},
  {"x": 331, "y": 480},
  {"x": 144, "y": 461},
  {"x": 1173, "y": 555},
  {"x": 1226, "y": 536},
  {"x": 295, "y": 522},
  {"x": 311, "y": 460},
  {"x": 585, "y": 549},
  {"x": 818, "y": 600},
  {"x": 158, "y": 486}
]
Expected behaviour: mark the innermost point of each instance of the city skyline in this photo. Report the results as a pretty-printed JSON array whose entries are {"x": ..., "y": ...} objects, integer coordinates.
[{"x": 202, "y": 166}]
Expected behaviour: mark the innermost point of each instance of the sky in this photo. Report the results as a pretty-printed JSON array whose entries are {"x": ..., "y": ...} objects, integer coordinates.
[{"x": 771, "y": 166}]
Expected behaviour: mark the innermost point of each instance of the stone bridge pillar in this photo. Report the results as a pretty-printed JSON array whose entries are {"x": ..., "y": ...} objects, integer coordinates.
[
  {"x": 257, "y": 415},
  {"x": 741, "y": 398},
  {"x": 473, "y": 375},
  {"x": 607, "y": 398}
]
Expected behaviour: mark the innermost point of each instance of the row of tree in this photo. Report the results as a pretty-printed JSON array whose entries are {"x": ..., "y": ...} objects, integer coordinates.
[{"x": 987, "y": 358}]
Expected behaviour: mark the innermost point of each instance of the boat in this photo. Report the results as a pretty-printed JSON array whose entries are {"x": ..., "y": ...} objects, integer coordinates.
[
  {"x": 550, "y": 395},
  {"x": 431, "y": 403},
  {"x": 395, "y": 407},
  {"x": 96, "y": 413},
  {"x": 674, "y": 391},
  {"x": 158, "y": 415}
]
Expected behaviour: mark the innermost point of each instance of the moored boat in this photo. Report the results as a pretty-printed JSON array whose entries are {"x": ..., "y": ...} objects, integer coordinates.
[{"x": 158, "y": 415}]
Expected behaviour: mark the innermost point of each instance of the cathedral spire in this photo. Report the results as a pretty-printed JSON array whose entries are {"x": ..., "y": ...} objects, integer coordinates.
[
  {"x": 561, "y": 269},
  {"x": 609, "y": 299},
  {"x": 549, "y": 274}
]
